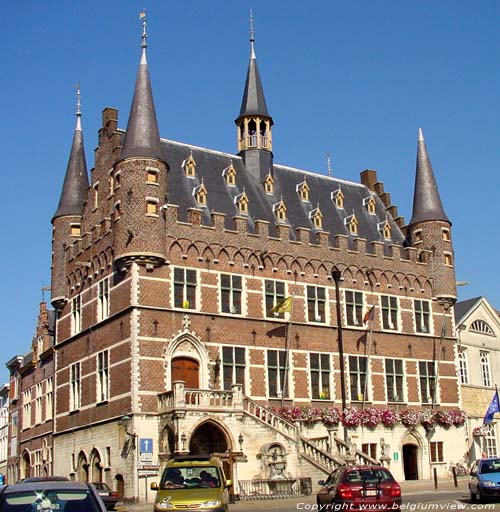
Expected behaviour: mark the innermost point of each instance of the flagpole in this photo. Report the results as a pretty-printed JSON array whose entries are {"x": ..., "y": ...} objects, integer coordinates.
[
  {"x": 368, "y": 355},
  {"x": 287, "y": 350}
]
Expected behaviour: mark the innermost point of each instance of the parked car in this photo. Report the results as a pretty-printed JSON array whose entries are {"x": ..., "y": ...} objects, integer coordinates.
[
  {"x": 109, "y": 496},
  {"x": 45, "y": 496},
  {"x": 31, "y": 479},
  {"x": 192, "y": 482},
  {"x": 484, "y": 481},
  {"x": 360, "y": 487}
]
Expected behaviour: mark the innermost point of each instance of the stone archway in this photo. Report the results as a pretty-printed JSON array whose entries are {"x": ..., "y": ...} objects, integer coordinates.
[
  {"x": 96, "y": 466},
  {"x": 26, "y": 465},
  {"x": 82, "y": 468},
  {"x": 411, "y": 450},
  {"x": 167, "y": 442},
  {"x": 120, "y": 485}
]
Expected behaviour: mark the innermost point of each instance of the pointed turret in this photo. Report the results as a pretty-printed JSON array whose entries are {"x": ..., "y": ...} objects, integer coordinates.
[
  {"x": 76, "y": 181},
  {"x": 429, "y": 230},
  {"x": 254, "y": 122},
  {"x": 426, "y": 200},
  {"x": 142, "y": 139}
]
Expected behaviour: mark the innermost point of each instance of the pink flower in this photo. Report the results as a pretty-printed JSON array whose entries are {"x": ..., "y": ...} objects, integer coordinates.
[
  {"x": 351, "y": 417},
  {"x": 389, "y": 417},
  {"x": 370, "y": 417}
]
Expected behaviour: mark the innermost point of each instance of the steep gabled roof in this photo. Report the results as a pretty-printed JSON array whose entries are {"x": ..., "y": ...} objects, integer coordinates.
[{"x": 463, "y": 307}]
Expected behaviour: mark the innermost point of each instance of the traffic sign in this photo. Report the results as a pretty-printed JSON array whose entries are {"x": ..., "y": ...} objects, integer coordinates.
[{"x": 146, "y": 445}]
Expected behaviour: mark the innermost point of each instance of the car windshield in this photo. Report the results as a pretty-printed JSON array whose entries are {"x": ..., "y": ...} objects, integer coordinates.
[
  {"x": 490, "y": 466},
  {"x": 190, "y": 477},
  {"x": 48, "y": 500},
  {"x": 368, "y": 475}
]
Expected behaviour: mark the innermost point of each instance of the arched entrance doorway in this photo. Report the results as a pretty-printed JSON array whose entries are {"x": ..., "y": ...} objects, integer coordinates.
[
  {"x": 410, "y": 461},
  {"x": 82, "y": 468},
  {"x": 120, "y": 485},
  {"x": 210, "y": 438},
  {"x": 25, "y": 465},
  {"x": 186, "y": 369}
]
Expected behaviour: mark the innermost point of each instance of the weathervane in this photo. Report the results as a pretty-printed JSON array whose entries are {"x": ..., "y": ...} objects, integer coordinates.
[
  {"x": 328, "y": 164},
  {"x": 142, "y": 16},
  {"x": 252, "y": 34}
]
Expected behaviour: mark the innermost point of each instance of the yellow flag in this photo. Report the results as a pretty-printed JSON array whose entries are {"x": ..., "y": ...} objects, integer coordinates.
[{"x": 283, "y": 306}]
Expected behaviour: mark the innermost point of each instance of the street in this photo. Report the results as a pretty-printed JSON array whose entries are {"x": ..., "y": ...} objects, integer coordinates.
[{"x": 416, "y": 496}]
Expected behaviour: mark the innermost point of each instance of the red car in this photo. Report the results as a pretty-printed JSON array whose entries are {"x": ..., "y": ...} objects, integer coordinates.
[{"x": 360, "y": 488}]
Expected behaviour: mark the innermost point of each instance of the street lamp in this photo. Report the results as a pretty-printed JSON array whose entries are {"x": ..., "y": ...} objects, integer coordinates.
[
  {"x": 336, "y": 275},
  {"x": 240, "y": 441}
]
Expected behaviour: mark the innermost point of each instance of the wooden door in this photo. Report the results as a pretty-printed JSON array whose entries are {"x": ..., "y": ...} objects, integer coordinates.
[{"x": 187, "y": 370}]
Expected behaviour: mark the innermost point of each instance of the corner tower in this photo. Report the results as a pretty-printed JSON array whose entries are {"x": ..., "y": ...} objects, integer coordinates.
[
  {"x": 67, "y": 220},
  {"x": 139, "y": 221},
  {"x": 255, "y": 143},
  {"x": 430, "y": 228}
]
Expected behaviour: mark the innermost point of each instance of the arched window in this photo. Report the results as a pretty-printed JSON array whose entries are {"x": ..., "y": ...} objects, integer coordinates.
[
  {"x": 482, "y": 327},
  {"x": 484, "y": 359},
  {"x": 489, "y": 440}
]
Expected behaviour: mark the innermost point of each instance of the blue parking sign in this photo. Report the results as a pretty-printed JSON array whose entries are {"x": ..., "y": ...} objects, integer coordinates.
[{"x": 146, "y": 445}]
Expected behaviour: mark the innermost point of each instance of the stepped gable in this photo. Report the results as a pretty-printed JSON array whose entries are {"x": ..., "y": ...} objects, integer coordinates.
[{"x": 220, "y": 197}]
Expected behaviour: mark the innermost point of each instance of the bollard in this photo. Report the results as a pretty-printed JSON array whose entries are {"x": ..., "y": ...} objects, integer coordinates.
[
  {"x": 454, "y": 473},
  {"x": 435, "y": 478}
]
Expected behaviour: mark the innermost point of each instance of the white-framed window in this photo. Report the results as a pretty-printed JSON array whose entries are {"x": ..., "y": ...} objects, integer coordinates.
[
  {"x": 26, "y": 401},
  {"x": 462, "y": 361},
  {"x": 185, "y": 283},
  {"x": 274, "y": 292},
  {"x": 233, "y": 366},
  {"x": 394, "y": 378},
  {"x": 320, "y": 370},
  {"x": 39, "y": 347},
  {"x": 277, "y": 373},
  {"x": 358, "y": 373},
  {"x": 38, "y": 403},
  {"x": 75, "y": 385},
  {"x": 422, "y": 311},
  {"x": 427, "y": 374},
  {"x": 316, "y": 300},
  {"x": 49, "y": 398},
  {"x": 389, "y": 312},
  {"x": 230, "y": 293},
  {"x": 76, "y": 314},
  {"x": 484, "y": 361},
  {"x": 103, "y": 299},
  {"x": 103, "y": 376},
  {"x": 354, "y": 308},
  {"x": 489, "y": 441}
]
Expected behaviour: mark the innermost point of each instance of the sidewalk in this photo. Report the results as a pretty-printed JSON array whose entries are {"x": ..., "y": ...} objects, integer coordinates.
[{"x": 407, "y": 487}]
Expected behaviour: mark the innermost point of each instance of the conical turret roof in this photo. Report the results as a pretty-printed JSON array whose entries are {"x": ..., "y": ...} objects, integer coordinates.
[
  {"x": 253, "y": 102},
  {"x": 426, "y": 200},
  {"x": 142, "y": 138},
  {"x": 76, "y": 181}
]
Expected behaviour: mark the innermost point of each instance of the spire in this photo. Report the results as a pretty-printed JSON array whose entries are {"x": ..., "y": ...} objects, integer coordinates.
[
  {"x": 142, "y": 138},
  {"x": 76, "y": 181},
  {"x": 254, "y": 102},
  {"x": 426, "y": 200}
]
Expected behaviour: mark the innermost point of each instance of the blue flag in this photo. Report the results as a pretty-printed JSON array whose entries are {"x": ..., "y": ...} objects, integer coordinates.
[{"x": 492, "y": 409}]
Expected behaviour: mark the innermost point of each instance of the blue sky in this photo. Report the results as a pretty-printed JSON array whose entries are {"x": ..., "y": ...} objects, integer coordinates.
[{"x": 354, "y": 78}]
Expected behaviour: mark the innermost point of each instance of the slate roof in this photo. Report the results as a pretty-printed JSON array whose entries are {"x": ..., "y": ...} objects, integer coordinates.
[
  {"x": 76, "y": 181},
  {"x": 220, "y": 196},
  {"x": 427, "y": 203},
  {"x": 254, "y": 101},
  {"x": 463, "y": 307}
]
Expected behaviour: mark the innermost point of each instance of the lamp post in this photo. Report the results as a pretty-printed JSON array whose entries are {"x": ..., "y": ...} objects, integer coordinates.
[{"x": 336, "y": 275}]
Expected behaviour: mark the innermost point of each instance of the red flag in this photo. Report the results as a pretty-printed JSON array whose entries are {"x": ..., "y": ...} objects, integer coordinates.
[{"x": 369, "y": 315}]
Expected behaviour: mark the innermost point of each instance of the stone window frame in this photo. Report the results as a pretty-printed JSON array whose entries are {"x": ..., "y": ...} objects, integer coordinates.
[
  {"x": 448, "y": 259},
  {"x": 272, "y": 296},
  {"x": 354, "y": 306},
  {"x": 154, "y": 174},
  {"x": 230, "y": 294},
  {"x": 427, "y": 373},
  {"x": 277, "y": 370},
  {"x": 185, "y": 288},
  {"x": 320, "y": 371},
  {"x": 389, "y": 310},
  {"x": 75, "y": 229},
  {"x": 484, "y": 365},
  {"x": 436, "y": 449},
  {"x": 233, "y": 366},
  {"x": 152, "y": 206},
  {"x": 446, "y": 234},
  {"x": 75, "y": 391},
  {"x": 394, "y": 379},
  {"x": 358, "y": 377},
  {"x": 102, "y": 376},
  {"x": 76, "y": 314},
  {"x": 103, "y": 298},
  {"x": 463, "y": 366},
  {"x": 422, "y": 314},
  {"x": 316, "y": 305}
]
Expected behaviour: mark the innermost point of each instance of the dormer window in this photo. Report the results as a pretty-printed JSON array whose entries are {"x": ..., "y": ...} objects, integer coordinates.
[
  {"x": 317, "y": 218},
  {"x": 229, "y": 174},
  {"x": 352, "y": 224},
  {"x": 75, "y": 230},
  {"x": 200, "y": 193},
  {"x": 241, "y": 201},
  {"x": 303, "y": 191},
  {"x": 385, "y": 229},
  {"x": 369, "y": 203},
  {"x": 338, "y": 198},
  {"x": 189, "y": 166},
  {"x": 152, "y": 175},
  {"x": 279, "y": 210},
  {"x": 269, "y": 184}
]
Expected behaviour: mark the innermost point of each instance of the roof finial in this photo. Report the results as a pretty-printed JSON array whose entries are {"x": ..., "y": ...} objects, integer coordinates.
[
  {"x": 144, "y": 44},
  {"x": 78, "y": 108},
  {"x": 420, "y": 134},
  {"x": 252, "y": 36},
  {"x": 328, "y": 164}
]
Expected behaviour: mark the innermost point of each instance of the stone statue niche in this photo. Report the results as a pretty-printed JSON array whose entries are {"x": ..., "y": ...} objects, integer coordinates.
[{"x": 273, "y": 461}]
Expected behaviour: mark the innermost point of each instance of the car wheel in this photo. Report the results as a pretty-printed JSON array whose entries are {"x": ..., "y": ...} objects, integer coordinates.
[
  {"x": 482, "y": 499},
  {"x": 473, "y": 495}
]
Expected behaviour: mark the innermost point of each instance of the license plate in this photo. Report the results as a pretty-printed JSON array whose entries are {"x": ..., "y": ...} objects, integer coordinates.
[{"x": 371, "y": 492}]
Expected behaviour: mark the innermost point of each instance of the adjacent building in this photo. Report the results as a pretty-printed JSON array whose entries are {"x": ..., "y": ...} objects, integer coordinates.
[
  {"x": 478, "y": 335},
  {"x": 207, "y": 301}
]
